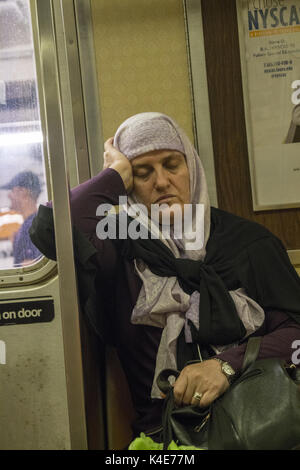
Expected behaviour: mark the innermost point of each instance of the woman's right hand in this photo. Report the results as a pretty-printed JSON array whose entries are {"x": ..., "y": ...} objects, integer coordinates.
[{"x": 117, "y": 160}]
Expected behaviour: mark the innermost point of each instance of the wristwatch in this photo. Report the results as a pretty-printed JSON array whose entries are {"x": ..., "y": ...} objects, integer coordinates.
[{"x": 226, "y": 368}]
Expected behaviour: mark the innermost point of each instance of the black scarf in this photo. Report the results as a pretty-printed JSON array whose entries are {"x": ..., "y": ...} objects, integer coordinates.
[
  {"x": 220, "y": 323},
  {"x": 239, "y": 254}
]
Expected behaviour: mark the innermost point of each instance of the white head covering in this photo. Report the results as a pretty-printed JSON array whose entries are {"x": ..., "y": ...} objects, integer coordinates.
[
  {"x": 161, "y": 301},
  {"x": 145, "y": 132}
]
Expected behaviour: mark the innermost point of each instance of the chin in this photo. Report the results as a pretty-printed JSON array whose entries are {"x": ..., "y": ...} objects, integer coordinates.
[{"x": 169, "y": 215}]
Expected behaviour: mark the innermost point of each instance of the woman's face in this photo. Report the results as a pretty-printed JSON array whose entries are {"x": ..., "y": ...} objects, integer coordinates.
[{"x": 161, "y": 177}]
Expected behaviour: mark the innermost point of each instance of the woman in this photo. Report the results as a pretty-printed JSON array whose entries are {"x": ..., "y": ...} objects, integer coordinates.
[{"x": 167, "y": 303}]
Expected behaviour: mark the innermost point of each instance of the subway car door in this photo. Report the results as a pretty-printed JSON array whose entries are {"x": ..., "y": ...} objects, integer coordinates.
[{"x": 49, "y": 400}]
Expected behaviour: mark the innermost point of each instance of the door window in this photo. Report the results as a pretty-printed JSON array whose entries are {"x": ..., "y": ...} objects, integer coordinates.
[{"x": 22, "y": 170}]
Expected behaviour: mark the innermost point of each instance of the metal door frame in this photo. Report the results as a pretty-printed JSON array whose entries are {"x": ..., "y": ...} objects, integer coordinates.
[
  {"x": 46, "y": 15},
  {"x": 91, "y": 96}
]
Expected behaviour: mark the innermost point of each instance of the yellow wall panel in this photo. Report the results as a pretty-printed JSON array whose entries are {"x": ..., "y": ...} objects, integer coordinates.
[{"x": 141, "y": 60}]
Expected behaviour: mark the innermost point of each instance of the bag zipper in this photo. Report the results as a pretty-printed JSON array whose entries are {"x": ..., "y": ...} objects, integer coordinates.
[{"x": 200, "y": 426}]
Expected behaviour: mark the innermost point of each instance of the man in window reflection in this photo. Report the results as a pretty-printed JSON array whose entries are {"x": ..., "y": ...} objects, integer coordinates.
[{"x": 24, "y": 189}]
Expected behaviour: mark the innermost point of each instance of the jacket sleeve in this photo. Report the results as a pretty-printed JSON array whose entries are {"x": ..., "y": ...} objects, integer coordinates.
[
  {"x": 279, "y": 333},
  {"x": 268, "y": 277},
  {"x": 95, "y": 258},
  {"x": 104, "y": 188}
]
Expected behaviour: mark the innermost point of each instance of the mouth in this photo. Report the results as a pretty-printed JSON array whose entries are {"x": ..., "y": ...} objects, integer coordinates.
[{"x": 164, "y": 198}]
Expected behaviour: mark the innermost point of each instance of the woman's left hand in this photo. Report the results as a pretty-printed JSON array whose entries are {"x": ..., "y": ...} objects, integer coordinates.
[{"x": 205, "y": 378}]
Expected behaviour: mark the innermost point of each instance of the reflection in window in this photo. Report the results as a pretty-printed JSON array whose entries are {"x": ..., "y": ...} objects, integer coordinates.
[{"x": 22, "y": 174}]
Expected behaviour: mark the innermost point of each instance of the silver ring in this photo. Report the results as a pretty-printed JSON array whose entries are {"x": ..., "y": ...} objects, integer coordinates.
[{"x": 198, "y": 396}]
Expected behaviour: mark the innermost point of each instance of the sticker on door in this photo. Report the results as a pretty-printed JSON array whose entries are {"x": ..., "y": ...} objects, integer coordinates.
[{"x": 24, "y": 312}]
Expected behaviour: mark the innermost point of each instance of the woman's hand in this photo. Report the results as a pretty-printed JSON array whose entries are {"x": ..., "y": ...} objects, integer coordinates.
[
  {"x": 206, "y": 378},
  {"x": 116, "y": 160}
]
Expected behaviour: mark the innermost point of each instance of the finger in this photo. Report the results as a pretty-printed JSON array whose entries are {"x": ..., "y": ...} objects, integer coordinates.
[
  {"x": 108, "y": 143},
  {"x": 179, "y": 389},
  {"x": 207, "y": 398},
  {"x": 188, "y": 396},
  {"x": 196, "y": 398},
  {"x": 107, "y": 159},
  {"x": 185, "y": 387}
]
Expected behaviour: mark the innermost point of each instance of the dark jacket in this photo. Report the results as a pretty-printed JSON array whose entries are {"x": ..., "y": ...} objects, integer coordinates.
[{"x": 109, "y": 287}]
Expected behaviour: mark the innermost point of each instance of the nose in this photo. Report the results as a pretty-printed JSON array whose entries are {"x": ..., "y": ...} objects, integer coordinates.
[{"x": 161, "y": 179}]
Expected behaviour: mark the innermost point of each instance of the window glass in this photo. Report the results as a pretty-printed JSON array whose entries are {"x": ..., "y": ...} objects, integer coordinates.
[{"x": 22, "y": 172}]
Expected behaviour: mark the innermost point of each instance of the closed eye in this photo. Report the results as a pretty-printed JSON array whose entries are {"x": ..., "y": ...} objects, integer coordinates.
[
  {"x": 141, "y": 173},
  {"x": 172, "y": 166},
  {"x": 173, "y": 163}
]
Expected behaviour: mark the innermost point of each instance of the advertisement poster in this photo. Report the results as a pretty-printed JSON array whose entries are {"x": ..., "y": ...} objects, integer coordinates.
[{"x": 269, "y": 32}]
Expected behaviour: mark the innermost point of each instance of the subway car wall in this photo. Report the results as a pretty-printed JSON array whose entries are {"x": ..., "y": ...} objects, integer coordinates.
[{"x": 70, "y": 73}]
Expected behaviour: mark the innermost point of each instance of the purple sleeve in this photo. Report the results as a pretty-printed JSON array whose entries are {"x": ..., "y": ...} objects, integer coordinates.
[
  {"x": 280, "y": 333},
  {"x": 104, "y": 188}
]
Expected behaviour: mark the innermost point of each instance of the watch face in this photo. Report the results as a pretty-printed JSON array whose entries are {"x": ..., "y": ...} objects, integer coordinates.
[{"x": 228, "y": 369}]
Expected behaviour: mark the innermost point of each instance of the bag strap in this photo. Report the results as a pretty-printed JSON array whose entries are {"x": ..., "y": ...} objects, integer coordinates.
[
  {"x": 163, "y": 379},
  {"x": 251, "y": 352}
]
